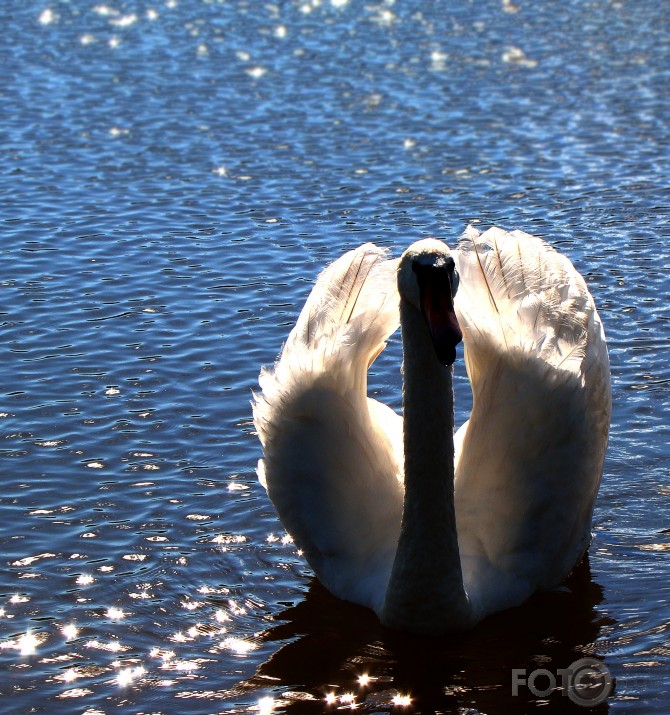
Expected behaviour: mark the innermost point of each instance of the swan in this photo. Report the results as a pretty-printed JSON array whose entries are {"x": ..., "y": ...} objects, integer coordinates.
[{"x": 434, "y": 530}]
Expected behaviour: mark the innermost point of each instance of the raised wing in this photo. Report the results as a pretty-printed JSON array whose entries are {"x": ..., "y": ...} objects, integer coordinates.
[
  {"x": 531, "y": 455},
  {"x": 329, "y": 464}
]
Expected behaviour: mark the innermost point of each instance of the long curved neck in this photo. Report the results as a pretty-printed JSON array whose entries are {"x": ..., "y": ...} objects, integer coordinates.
[{"x": 425, "y": 593}]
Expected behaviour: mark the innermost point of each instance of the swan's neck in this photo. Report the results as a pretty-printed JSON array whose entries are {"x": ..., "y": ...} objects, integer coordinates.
[{"x": 425, "y": 593}]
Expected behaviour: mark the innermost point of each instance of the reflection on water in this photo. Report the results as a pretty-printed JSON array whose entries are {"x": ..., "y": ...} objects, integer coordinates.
[
  {"x": 165, "y": 641},
  {"x": 337, "y": 654}
]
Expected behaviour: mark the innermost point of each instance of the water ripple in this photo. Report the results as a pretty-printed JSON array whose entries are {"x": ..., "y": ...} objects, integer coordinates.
[{"x": 175, "y": 175}]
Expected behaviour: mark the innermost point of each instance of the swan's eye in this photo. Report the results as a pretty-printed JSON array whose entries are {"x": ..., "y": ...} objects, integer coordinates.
[
  {"x": 430, "y": 264},
  {"x": 435, "y": 262}
]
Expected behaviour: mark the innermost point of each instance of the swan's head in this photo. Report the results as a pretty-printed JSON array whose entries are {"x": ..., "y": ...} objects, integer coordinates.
[{"x": 428, "y": 280}]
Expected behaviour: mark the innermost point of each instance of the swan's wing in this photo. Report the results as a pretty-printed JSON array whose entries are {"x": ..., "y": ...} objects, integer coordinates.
[
  {"x": 531, "y": 455},
  {"x": 329, "y": 464}
]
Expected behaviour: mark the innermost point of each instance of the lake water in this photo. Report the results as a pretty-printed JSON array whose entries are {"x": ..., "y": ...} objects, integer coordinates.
[{"x": 173, "y": 176}]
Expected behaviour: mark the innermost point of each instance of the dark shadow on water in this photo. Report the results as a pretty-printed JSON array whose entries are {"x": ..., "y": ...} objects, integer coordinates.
[{"x": 330, "y": 644}]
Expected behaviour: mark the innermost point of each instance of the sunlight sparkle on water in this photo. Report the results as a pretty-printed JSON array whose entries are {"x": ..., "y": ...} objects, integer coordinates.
[
  {"x": 255, "y": 73},
  {"x": 266, "y": 706},
  {"x": 27, "y": 643},
  {"x": 70, "y": 675},
  {"x": 236, "y": 609},
  {"x": 143, "y": 595},
  {"x": 115, "y": 614},
  {"x": 348, "y": 699},
  {"x": 105, "y": 10},
  {"x": 47, "y": 16},
  {"x": 384, "y": 17},
  {"x": 165, "y": 655},
  {"x": 238, "y": 645},
  {"x": 113, "y": 646},
  {"x": 402, "y": 700},
  {"x": 185, "y": 666},
  {"x": 124, "y": 21},
  {"x": 70, "y": 631},
  {"x": 127, "y": 675},
  {"x": 191, "y": 605}
]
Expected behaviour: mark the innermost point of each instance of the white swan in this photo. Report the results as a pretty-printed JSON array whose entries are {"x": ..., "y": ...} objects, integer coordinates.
[{"x": 385, "y": 513}]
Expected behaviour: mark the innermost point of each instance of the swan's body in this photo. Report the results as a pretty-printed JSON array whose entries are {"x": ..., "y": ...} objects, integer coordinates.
[{"x": 385, "y": 515}]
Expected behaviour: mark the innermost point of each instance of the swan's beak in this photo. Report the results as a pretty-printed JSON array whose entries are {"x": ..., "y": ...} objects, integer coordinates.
[{"x": 437, "y": 286}]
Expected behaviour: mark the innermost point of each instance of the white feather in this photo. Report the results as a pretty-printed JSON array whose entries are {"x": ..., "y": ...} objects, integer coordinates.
[
  {"x": 531, "y": 454},
  {"x": 528, "y": 461},
  {"x": 330, "y": 454}
]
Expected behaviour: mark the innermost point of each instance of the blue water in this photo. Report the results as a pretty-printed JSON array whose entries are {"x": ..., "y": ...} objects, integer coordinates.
[{"x": 173, "y": 176}]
